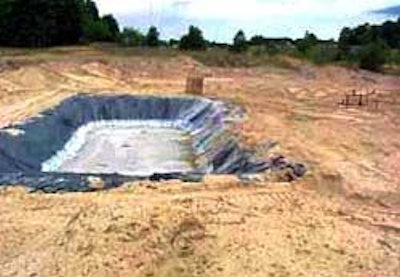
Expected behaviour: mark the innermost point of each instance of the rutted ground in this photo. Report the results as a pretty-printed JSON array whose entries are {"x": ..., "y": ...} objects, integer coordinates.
[{"x": 343, "y": 219}]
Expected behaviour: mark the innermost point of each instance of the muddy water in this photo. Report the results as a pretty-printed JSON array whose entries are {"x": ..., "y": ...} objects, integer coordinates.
[{"x": 136, "y": 151}]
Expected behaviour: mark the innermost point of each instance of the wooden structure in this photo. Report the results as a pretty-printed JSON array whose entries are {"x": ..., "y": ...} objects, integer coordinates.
[
  {"x": 195, "y": 84},
  {"x": 355, "y": 99}
]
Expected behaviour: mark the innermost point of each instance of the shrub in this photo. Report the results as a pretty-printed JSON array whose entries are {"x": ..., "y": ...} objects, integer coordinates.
[
  {"x": 131, "y": 37},
  {"x": 394, "y": 57},
  {"x": 307, "y": 42},
  {"x": 257, "y": 51},
  {"x": 322, "y": 54},
  {"x": 373, "y": 56}
]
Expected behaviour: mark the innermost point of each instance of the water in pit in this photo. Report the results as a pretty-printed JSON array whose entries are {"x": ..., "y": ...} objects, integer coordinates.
[{"x": 131, "y": 151}]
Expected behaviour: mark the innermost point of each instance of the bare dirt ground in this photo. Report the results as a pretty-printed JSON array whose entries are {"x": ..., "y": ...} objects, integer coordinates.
[{"x": 343, "y": 219}]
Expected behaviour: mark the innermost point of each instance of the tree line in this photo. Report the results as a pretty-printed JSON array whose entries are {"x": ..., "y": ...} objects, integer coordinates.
[
  {"x": 193, "y": 40},
  {"x": 43, "y": 23},
  {"x": 371, "y": 45},
  {"x": 368, "y": 46}
]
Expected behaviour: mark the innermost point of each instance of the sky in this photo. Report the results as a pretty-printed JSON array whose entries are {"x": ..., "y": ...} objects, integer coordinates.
[{"x": 221, "y": 19}]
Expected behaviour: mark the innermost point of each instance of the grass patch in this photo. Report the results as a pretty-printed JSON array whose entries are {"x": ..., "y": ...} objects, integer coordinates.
[
  {"x": 226, "y": 58},
  {"x": 113, "y": 49}
]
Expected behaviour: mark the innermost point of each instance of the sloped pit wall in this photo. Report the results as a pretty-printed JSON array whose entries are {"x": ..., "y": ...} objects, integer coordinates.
[
  {"x": 203, "y": 121},
  {"x": 39, "y": 144},
  {"x": 39, "y": 138},
  {"x": 216, "y": 150}
]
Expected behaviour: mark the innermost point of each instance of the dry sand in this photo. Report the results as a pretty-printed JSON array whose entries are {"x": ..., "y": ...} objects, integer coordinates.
[{"x": 343, "y": 219}]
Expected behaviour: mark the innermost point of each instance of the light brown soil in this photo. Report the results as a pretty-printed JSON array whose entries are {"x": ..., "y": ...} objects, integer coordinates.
[{"x": 343, "y": 219}]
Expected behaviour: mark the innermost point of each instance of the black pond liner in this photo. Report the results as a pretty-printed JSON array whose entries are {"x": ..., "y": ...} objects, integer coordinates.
[{"x": 41, "y": 137}]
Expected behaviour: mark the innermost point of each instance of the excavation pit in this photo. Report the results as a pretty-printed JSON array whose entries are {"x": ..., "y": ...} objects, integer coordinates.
[{"x": 123, "y": 138}]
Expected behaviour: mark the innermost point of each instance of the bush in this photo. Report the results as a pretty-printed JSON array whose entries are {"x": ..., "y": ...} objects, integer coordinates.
[
  {"x": 272, "y": 49},
  {"x": 373, "y": 56},
  {"x": 257, "y": 51},
  {"x": 221, "y": 58},
  {"x": 322, "y": 54},
  {"x": 131, "y": 37},
  {"x": 307, "y": 42},
  {"x": 394, "y": 57}
]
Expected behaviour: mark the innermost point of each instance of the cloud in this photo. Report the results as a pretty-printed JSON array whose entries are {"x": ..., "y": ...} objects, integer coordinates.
[
  {"x": 124, "y": 7},
  {"x": 220, "y": 19},
  {"x": 181, "y": 3},
  {"x": 242, "y": 9},
  {"x": 257, "y": 9},
  {"x": 394, "y": 10}
]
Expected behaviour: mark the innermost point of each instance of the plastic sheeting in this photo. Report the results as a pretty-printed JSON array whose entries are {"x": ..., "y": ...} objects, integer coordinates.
[{"x": 56, "y": 133}]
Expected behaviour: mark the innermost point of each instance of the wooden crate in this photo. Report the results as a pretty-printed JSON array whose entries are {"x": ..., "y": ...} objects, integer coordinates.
[{"x": 195, "y": 85}]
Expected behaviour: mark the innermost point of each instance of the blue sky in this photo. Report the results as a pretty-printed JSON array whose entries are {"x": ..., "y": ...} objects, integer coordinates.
[{"x": 220, "y": 19}]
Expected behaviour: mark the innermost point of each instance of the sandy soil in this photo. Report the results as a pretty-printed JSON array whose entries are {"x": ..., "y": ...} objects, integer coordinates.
[{"x": 343, "y": 219}]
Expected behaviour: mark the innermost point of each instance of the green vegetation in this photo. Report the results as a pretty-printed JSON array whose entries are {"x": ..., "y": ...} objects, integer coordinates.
[
  {"x": 112, "y": 26},
  {"x": 152, "y": 38},
  {"x": 239, "y": 42},
  {"x": 373, "y": 56},
  {"x": 193, "y": 40},
  {"x": 226, "y": 58},
  {"x": 131, "y": 37},
  {"x": 371, "y": 46},
  {"x": 42, "y": 23},
  {"x": 307, "y": 43}
]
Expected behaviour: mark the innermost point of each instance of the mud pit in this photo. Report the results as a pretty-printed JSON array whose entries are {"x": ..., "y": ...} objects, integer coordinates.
[{"x": 125, "y": 138}]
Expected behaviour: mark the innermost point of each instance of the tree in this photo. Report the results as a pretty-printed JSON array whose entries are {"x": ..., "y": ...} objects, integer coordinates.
[
  {"x": 42, "y": 23},
  {"x": 39, "y": 23},
  {"x": 152, "y": 37},
  {"x": 97, "y": 31},
  {"x": 364, "y": 34},
  {"x": 98, "y": 28},
  {"x": 239, "y": 42},
  {"x": 68, "y": 23},
  {"x": 345, "y": 41},
  {"x": 390, "y": 33},
  {"x": 92, "y": 11},
  {"x": 112, "y": 26},
  {"x": 193, "y": 40},
  {"x": 373, "y": 56},
  {"x": 132, "y": 37}
]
